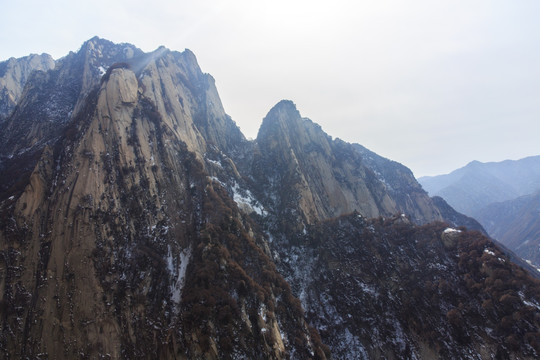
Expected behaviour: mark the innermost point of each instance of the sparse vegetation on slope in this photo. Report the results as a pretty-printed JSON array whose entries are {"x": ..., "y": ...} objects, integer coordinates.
[{"x": 385, "y": 287}]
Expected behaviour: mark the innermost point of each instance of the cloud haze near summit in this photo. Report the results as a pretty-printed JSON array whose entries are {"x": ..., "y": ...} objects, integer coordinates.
[{"x": 431, "y": 84}]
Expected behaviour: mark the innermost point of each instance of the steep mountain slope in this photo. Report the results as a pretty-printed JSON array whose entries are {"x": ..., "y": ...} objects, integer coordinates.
[
  {"x": 51, "y": 98},
  {"x": 117, "y": 220},
  {"x": 455, "y": 218},
  {"x": 384, "y": 288},
  {"x": 303, "y": 173},
  {"x": 516, "y": 223},
  {"x": 136, "y": 221},
  {"x": 401, "y": 183},
  {"x": 476, "y": 185},
  {"x": 184, "y": 96},
  {"x": 14, "y": 74},
  {"x": 499, "y": 195}
]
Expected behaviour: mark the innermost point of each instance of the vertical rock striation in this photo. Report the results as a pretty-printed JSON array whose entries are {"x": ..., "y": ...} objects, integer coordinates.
[
  {"x": 121, "y": 245},
  {"x": 138, "y": 222},
  {"x": 14, "y": 73},
  {"x": 306, "y": 175}
]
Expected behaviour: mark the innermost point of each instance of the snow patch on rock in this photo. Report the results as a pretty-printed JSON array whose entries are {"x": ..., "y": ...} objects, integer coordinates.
[
  {"x": 177, "y": 270},
  {"x": 245, "y": 200}
]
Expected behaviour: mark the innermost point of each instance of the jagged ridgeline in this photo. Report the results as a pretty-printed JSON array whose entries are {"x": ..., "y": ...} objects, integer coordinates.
[{"x": 138, "y": 222}]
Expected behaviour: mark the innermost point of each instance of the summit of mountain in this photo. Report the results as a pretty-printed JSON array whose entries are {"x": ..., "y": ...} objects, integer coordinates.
[
  {"x": 138, "y": 222},
  {"x": 14, "y": 74},
  {"x": 330, "y": 177}
]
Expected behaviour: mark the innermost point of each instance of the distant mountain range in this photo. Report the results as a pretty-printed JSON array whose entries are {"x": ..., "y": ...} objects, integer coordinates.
[
  {"x": 476, "y": 185},
  {"x": 137, "y": 222},
  {"x": 503, "y": 196},
  {"x": 515, "y": 223}
]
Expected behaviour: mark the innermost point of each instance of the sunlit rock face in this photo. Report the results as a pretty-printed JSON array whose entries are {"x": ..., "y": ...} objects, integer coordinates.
[
  {"x": 138, "y": 222},
  {"x": 14, "y": 73},
  {"x": 114, "y": 243},
  {"x": 316, "y": 177}
]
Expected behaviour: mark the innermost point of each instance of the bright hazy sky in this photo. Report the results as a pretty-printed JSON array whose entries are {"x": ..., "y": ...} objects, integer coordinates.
[{"x": 431, "y": 84}]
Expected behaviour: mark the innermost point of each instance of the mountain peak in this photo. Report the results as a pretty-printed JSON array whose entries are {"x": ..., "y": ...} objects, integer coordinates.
[
  {"x": 136, "y": 220},
  {"x": 283, "y": 120},
  {"x": 284, "y": 110},
  {"x": 474, "y": 164},
  {"x": 95, "y": 41},
  {"x": 285, "y": 104},
  {"x": 329, "y": 174},
  {"x": 14, "y": 73}
]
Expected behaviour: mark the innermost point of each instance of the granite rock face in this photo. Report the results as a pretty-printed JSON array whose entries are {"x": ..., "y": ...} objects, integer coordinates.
[
  {"x": 137, "y": 221},
  {"x": 14, "y": 73},
  {"x": 115, "y": 245},
  {"x": 308, "y": 175}
]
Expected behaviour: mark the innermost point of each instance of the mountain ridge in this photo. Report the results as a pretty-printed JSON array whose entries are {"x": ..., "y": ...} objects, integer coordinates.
[
  {"x": 14, "y": 74},
  {"x": 509, "y": 172},
  {"x": 501, "y": 195},
  {"x": 142, "y": 223},
  {"x": 515, "y": 224}
]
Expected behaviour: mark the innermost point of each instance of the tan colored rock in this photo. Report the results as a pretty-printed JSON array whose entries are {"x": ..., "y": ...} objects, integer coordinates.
[
  {"x": 330, "y": 177},
  {"x": 13, "y": 80},
  {"x": 112, "y": 217},
  {"x": 33, "y": 197},
  {"x": 118, "y": 97}
]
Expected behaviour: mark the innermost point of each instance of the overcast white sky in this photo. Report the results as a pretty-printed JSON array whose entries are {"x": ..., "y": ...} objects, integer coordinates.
[{"x": 431, "y": 84}]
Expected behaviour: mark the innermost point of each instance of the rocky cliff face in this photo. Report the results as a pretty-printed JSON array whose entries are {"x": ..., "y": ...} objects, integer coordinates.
[
  {"x": 14, "y": 74},
  {"x": 137, "y": 220},
  {"x": 306, "y": 175},
  {"x": 116, "y": 245},
  {"x": 185, "y": 98}
]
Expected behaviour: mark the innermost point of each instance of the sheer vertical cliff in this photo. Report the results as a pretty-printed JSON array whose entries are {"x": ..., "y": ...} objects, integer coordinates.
[
  {"x": 303, "y": 173},
  {"x": 14, "y": 74},
  {"x": 116, "y": 245},
  {"x": 138, "y": 222}
]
